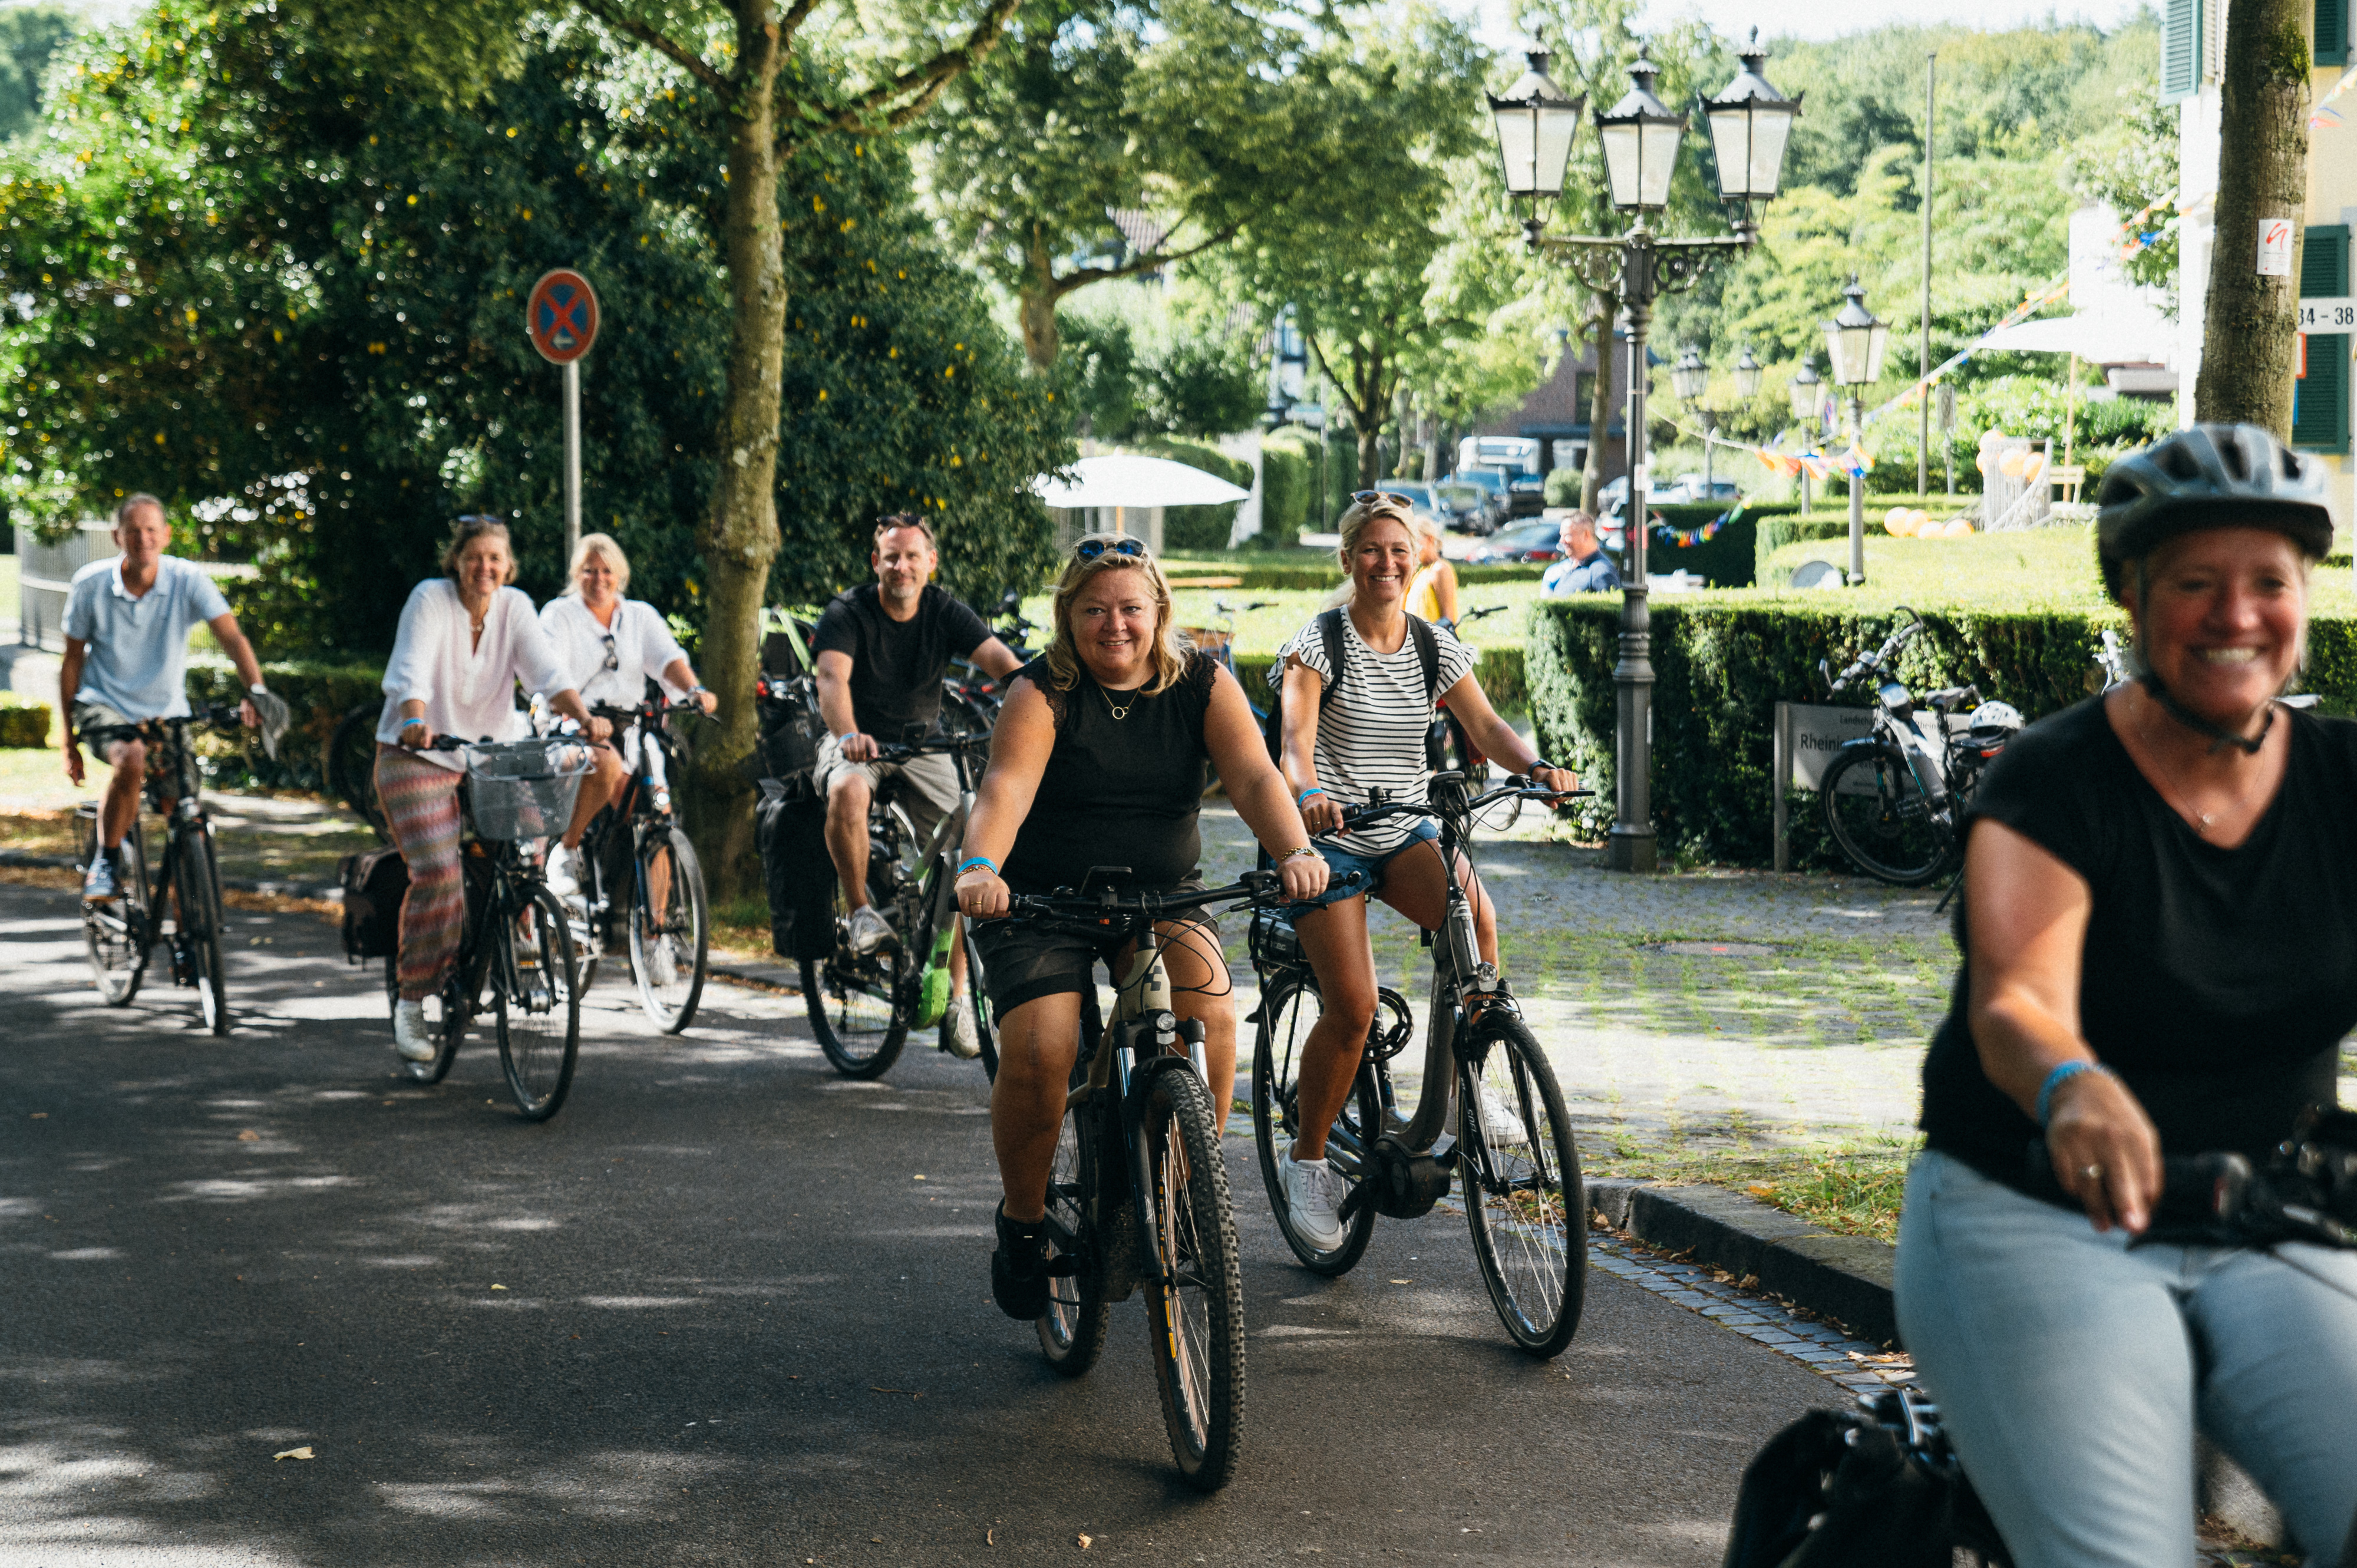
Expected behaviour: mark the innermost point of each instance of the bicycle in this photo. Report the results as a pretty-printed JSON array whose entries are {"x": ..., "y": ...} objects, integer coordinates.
[
  {"x": 1449, "y": 748},
  {"x": 348, "y": 767},
  {"x": 862, "y": 1006},
  {"x": 1892, "y": 799},
  {"x": 971, "y": 699},
  {"x": 1524, "y": 1201},
  {"x": 667, "y": 917},
  {"x": 1137, "y": 1193},
  {"x": 517, "y": 940},
  {"x": 120, "y": 935}
]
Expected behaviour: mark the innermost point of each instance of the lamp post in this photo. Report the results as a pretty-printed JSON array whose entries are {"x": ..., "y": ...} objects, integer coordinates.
[
  {"x": 1855, "y": 339},
  {"x": 1808, "y": 402},
  {"x": 1750, "y": 124}
]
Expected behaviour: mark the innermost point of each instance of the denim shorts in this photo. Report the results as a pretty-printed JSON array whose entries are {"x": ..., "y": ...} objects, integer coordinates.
[{"x": 1341, "y": 863}]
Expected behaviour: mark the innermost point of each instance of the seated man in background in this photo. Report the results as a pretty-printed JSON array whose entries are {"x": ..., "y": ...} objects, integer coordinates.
[{"x": 1585, "y": 568}]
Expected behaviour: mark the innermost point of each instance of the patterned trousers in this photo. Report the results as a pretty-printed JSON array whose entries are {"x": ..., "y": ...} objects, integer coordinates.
[{"x": 421, "y": 802}]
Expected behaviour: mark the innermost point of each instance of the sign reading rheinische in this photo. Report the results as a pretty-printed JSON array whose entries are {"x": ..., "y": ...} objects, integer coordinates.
[{"x": 1819, "y": 731}]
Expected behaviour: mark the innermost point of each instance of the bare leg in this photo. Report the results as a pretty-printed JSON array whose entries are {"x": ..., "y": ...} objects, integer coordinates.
[
  {"x": 846, "y": 835},
  {"x": 121, "y": 808},
  {"x": 957, "y": 954},
  {"x": 602, "y": 785},
  {"x": 1335, "y": 938},
  {"x": 1200, "y": 989},
  {"x": 1037, "y": 1044}
]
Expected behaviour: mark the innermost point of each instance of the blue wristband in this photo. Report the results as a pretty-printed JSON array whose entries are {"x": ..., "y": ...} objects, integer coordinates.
[
  {"x": 1303, "y": 798},
  {"x": 406, "y": 722},
  {"x": 970, "y": 862},
  {"x": 2062, "y": 1074}
]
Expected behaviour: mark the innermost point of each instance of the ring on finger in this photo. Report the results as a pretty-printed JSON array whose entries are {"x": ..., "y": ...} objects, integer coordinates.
[{"x": 2091, "y": 1173}]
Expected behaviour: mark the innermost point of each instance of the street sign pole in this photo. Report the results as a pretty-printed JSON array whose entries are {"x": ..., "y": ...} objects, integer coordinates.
[{"x": 571, "y": 459}]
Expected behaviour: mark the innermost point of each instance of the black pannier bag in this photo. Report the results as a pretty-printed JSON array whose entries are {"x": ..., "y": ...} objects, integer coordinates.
[
  {"x": 1876, "y": 1486},
  {"x": 791, "y": 730},
  {"x": 789, "y": 825},
  {"x": 374, "y": 881}
]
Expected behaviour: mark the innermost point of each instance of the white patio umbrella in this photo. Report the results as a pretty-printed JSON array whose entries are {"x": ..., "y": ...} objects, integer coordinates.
[
  {"x": 2101, "y": 338},
  {"x": 1122, "y": 480}
]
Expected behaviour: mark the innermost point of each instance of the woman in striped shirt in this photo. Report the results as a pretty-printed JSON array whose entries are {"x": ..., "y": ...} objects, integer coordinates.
[{"x": 1348, "y": 732}]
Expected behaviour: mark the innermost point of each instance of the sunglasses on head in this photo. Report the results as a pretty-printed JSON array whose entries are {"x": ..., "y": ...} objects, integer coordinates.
[
  {"x": 1368, "y": 497},
  {"x": 1090, "y": 549}
]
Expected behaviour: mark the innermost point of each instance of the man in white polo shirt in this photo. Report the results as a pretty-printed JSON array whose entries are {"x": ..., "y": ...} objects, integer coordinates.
[{"x": 126, "y": 625}]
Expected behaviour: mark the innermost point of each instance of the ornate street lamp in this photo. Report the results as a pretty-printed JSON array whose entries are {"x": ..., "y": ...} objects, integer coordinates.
[
  {"x": 1808, "y": 404},
  {"x": 1747, "y": 371},
  {"x": 1855, "y": 340},
  {"x": 1690, "y": 378},
  {"x": 1639, "y": 139}
]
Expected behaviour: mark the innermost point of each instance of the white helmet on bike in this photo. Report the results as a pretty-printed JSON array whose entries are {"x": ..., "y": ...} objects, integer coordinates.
[{"x": 1996, "y": 715}]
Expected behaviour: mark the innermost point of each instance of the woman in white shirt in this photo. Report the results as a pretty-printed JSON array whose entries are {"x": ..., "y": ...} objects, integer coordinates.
[
  {"x": 465, "y": 640},
  {"x": 610, "y": 648}
]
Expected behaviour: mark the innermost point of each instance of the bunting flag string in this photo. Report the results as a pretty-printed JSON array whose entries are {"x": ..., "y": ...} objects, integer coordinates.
[{"x": 2324, "y": 117}]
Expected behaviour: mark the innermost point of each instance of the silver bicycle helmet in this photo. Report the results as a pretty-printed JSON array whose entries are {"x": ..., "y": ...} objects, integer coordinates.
[{"x": 2208, "y": 475}]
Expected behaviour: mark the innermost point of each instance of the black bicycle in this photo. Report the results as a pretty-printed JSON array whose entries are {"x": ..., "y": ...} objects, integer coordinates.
[
  {"x": 348, "y": 765},
  {"x": 862, "y": 1006},
  {"x": 1487, "y": 1108},
  {"x": 1138, "y": 1194},
  {"x": 640, "y": 883},
  {"x": 183, "y": 905},
  {"x": 515, "y": 956}
]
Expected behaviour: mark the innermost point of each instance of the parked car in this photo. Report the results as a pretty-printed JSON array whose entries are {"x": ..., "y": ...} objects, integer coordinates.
[
  {"x": 1540, "y": 540},
  {"x": 1496, "y": 501},
  {"x": 1461, "y": 507}
]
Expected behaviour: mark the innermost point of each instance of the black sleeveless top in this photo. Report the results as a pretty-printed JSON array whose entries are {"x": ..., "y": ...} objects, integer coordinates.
[
  {"x": 2218, "y": 982},
  {"x": 1124, "y": 791}
]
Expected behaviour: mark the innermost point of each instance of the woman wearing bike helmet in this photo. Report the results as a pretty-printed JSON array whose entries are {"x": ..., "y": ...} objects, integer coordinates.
[
  {"x": 2161, "y": 885},
  {"x": 1347, "y": 731},
  {"x": 1098, "y": 760}
]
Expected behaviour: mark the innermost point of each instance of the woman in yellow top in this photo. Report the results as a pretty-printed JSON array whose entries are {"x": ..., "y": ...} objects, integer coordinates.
[{"x": 1432, "y": 593}]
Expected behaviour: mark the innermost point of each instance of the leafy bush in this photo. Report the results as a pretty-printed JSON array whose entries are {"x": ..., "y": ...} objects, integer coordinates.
[
  {"x": 1563, "y": 485},
  {"x": 319, "y": 694},
  {"x": 1288, "y": 465}
]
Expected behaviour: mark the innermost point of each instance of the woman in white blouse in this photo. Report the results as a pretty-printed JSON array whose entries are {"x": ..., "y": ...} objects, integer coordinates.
[
  {"x": 465, "y": 640},
  {"x": 610, "y": 648}
]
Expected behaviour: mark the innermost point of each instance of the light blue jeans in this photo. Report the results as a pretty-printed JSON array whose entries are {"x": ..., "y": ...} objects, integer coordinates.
[{"x": 2070, "y": 1372}]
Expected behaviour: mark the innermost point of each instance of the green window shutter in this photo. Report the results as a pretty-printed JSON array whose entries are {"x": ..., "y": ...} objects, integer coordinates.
[
  {"x": 2332, "y": 32},
  {"x": 2324, "y": 261},
  {"x": 2180, "y": 49}
]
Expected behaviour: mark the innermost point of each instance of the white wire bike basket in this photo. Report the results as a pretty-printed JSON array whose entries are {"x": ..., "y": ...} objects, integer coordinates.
[{"x": 524, "y": 789}]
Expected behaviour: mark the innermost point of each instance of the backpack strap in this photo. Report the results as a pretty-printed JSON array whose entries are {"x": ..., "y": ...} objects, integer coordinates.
[
  {"x": 1330, "y": 627},
  {"x": 1427, "y": 653}
]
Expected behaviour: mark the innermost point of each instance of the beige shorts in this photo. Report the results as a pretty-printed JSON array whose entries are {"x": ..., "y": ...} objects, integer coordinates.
[{"x": 926, "y": 788}]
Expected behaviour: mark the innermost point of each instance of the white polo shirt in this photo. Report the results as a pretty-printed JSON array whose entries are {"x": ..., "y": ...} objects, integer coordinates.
[{"x": 138, "y": 658}]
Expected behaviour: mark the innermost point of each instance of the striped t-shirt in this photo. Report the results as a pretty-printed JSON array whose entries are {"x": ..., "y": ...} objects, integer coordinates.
[{"x": 1370, "y": 736}]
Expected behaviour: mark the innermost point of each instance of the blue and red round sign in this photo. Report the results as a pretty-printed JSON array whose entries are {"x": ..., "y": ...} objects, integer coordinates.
[{"x": 561, "y": 314}]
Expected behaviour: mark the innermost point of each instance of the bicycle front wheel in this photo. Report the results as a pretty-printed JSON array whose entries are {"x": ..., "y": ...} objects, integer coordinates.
[
  {"x": 1194, "y": 1291},
  {"x": 539, "y": 1007},
  {"x": 1879, "y": 815},
  {"x": 116, "y": 935},
  {"x": 860, "y": 1005},
  {"x": 1073, "y": 1329},
  {"x": 1289, "y": 1011},
  {"x": 1524, "y": 1198},
  {"x": 196, "y": 895},
  {"x": 671, "y": 938}
]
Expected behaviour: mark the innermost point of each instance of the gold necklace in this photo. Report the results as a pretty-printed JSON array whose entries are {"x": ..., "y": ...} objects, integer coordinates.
[
  {"x": 2184, "y": 804},
  {"x": 1122, "y": 712}
]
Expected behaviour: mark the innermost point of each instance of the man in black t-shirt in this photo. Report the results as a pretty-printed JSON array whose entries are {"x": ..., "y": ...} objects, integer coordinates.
[{"x": 882, "y": 650}]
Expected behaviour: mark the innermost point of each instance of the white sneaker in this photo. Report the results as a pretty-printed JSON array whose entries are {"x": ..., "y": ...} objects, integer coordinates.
[
  {"x": 1312, "y": 1192},
  {"x": 869, "y": 930},
  {"x": 410, "y": 1037},
  {"x": 963, "y": 1038},
  {"x": 1500, "y": 1126},
  {"x": 662, "y": 961},
  {"x": 560, "y": 875}
]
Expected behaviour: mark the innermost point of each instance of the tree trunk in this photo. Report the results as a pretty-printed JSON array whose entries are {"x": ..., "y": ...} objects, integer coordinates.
[
  {"x": 2250, "y": 321},
  {"x": 1041, "y": 341},
  {"x": 1600, "y": 311},
  {"x": 739, "y": 537}
]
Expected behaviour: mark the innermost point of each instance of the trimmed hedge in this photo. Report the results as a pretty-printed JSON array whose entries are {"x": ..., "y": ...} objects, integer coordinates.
[
  {"x": 1500, "y": 670},
  {"x": 319, "y": 694},
  {"x": 1288, "y": 467},
  {"x": 1721, "y": 664},
  {"x": 1302, "y": 576},
  {"x": 24, "y": 723}
]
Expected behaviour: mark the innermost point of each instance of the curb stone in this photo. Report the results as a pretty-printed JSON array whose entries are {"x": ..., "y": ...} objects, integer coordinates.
[
  {"x": 1847, "y": 1279},
  {"x": 328, "y": 892}
]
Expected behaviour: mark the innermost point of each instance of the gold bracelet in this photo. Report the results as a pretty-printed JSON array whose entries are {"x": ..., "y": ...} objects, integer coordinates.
[{"x": 1305, "y": 848}]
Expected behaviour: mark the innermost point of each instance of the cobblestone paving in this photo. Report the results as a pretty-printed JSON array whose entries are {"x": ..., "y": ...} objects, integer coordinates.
[{"x": 1807, "y": 1032}]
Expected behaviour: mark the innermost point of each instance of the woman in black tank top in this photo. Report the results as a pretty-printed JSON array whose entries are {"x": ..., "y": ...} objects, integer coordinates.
[{"x": 1098, "y": 760}]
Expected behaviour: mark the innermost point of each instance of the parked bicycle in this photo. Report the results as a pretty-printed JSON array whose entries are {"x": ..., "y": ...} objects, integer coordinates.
[
  {"x": 516, "y": 951},
  {"x": 971, "y": 699},
  {"x": 862, "y": 1006},
  {"x": 1137, "y": 1193},
  {"x": 640, "y": 873},
  {"x": 182, "y": 906},
  {"x": 1892, "y": 799},
  {"x": 1488, "y": 1107}
]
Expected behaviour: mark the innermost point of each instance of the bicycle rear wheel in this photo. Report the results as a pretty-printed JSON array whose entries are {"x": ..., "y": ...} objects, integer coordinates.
[
  {"x": 117, "y": 935},
  {"x": 670, "y": 945},
  {"x": 196, "y": 910},
  {"x": 1524, "y": 1198},
  {"x": 349, "y": 765},
  {"x": 1289, "y": 1011},
  {"x": 1881, "y": 819},
  {"x": 1195, "y": 1289},
  {"x": 539, "y": 1008},
  {"x": 1073, "y": 1329},
  {"x": 860, "y": 1007}
]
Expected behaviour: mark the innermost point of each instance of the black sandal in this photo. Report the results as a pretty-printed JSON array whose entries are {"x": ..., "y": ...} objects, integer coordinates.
[{"x": 1018, "y": 1269}]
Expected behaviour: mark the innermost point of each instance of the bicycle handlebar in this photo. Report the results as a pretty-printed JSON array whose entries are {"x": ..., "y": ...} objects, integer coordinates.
[
  {"x": 1880, "y": 657},
  {"x": 888, "y": 752},
  {"x": 1359, "y": 816},
  {"x": 613, "y": 714},
  {"x": 1106, "y": 905}
]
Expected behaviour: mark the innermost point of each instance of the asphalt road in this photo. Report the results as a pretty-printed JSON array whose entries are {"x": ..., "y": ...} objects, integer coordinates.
[{"x": 725, "y": 1308}]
